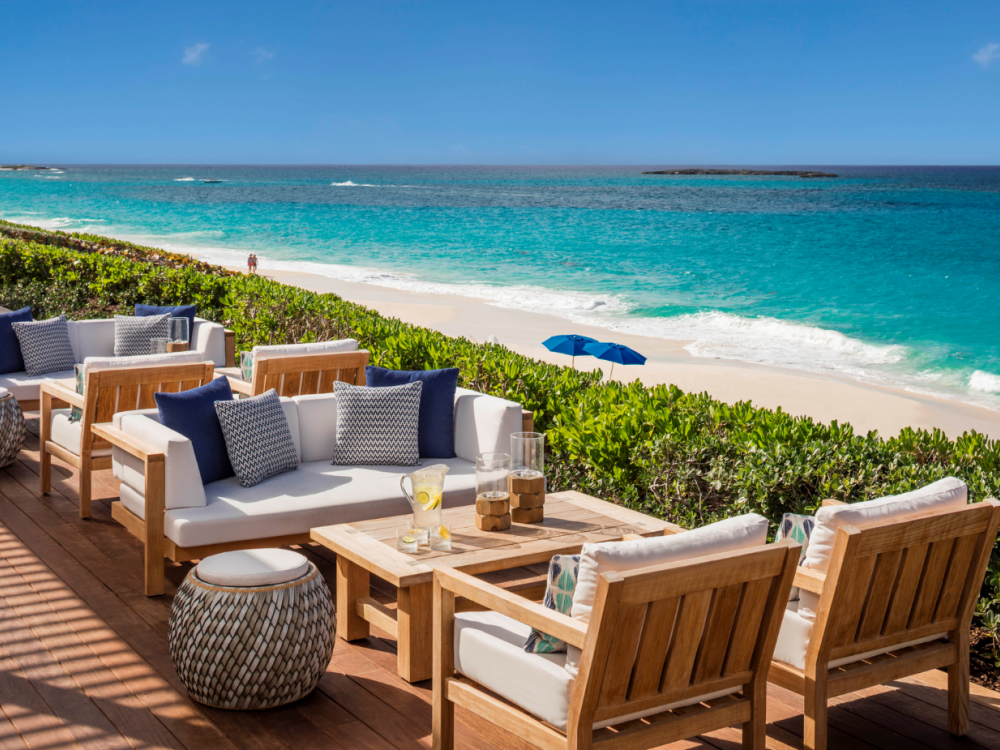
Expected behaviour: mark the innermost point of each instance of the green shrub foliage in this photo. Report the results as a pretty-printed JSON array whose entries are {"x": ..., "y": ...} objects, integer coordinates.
[{"x": 681, "y": 456}]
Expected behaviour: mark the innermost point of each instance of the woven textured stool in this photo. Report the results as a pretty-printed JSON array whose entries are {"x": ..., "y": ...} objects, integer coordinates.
[
  {"x": 251, "y": 629},
  {"x": 11, "y": 428}
]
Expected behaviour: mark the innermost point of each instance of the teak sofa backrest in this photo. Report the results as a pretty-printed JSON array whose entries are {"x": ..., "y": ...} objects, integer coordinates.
[
  {"x": 677, "y": 631},
  {"x": 308, "y": 373}
]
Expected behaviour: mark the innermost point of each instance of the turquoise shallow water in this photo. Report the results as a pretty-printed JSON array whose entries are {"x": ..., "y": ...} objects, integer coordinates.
[{"x": 886, "y": 275}]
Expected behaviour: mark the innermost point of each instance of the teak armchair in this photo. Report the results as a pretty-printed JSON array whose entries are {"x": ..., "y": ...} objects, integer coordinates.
[
  {"x": 308, "y": 373},
  {"x": 106, "y": 392},
  {"x": 888, "y": 585},
  {"x": 658, "y": 636}
]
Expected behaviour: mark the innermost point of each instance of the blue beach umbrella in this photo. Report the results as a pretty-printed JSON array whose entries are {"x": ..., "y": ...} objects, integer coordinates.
[
  {"x": 571, "y": 345},
  {"x": 614, "y": 353}
]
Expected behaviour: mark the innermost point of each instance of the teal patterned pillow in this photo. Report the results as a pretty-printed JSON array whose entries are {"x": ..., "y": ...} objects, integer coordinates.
[
  {"x": 77, "y": 414},
  {"x": 798, "y": 528},
  {"x": 563, "y": 572}
]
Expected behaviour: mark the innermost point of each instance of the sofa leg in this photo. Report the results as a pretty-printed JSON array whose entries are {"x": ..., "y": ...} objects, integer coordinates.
[
  {"x": 85, "y": 480},
  {"x": 958, "y": 687},
  {"x": 44, "y": 457},
  {"x": 755, "y": 730},
  {"x": 154, "y": 527},
  {"x": 814, "y": 735}
]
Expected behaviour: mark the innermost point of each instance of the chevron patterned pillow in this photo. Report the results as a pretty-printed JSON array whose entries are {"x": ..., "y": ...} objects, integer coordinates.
[
  {"x": 133, "y": 335},
  {"x": 377, "y": 426},
  {"x": 258, "y": 439},
  {"x": 45, "y": 346}
]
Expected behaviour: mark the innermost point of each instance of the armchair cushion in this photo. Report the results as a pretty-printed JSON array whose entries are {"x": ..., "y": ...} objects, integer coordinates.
[
  {"x": 68, "y": 433},
  {"x": 731, "y": 534},
  {"x": 297, "y": 350},
  {"x": 436, "y": 436},
  {"x": 258, "y": 438},
  {"x": 483, "y": 423},
  {"x": 377, "y": 426},
  {"x": 942, "y": 494},
  {"x": 798, "y": 528},
  {"x": 10, "y": 350},
  {"x": 192, "y": 414},
  {"x": 45, "y": 345},
  {"x": 174, "y": 311},
  {"x": 133, "y": 336}
]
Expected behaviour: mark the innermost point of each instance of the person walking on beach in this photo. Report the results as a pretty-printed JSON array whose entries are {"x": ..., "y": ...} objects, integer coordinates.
[
  {"x": 250, "y": 263},
  {"x": 254, "y": 256}
]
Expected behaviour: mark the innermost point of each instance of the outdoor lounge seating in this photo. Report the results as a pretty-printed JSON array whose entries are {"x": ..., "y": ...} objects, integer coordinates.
[
  {"x": 96, "y": 338},
  {"x": 895, "y": 600},
  {"x": 164, "y": 503},
  {"x": 670, "y": 651},
  {"x": 109, "y": 387},
  {"x": 294, "y": 374}
]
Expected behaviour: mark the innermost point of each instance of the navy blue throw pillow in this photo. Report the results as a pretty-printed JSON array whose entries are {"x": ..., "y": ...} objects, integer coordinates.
[
  {"x": 192, "y": 414},
  {"x": 436, "y": 430},
  {"x": 175, "y": 311},
  {"x": 10, "y": 349}
]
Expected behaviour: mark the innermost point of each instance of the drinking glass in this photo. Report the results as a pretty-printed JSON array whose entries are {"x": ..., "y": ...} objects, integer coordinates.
[
  {"x": 493, "y": 476},
  {"x": 180, "y": 330},
  {"x": 441, "y": 539},
  {"x": 527, "y": 450},
  {"x": 407, "y": 539},
  {"x": 158, "y": 346}
]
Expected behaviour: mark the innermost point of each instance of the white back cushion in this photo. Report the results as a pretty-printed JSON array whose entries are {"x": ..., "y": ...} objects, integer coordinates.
[
  {"x": 749, "y": 530},
  {"x": 317, "y": 425},
  {"x": 948, "y": 493},
  {"x": 209, "y": 340},
  {"x": 483, "y": 423},
  {"x": 292, "y": 415},
  {"x": 92, "y": 338},
  {"x": 297, "y": 350}
]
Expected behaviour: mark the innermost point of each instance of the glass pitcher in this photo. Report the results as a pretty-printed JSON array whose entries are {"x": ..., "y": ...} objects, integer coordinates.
[{"x": 427, "y": 485}]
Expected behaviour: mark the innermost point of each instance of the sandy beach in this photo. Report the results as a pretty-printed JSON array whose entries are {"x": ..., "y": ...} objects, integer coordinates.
[{"x": 824, "y": 398}]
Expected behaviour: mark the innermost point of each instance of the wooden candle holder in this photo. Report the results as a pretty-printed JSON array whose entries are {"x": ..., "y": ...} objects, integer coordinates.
[
  {"x": 527, "y": 499},
  {"x": 492, "y": 515}
]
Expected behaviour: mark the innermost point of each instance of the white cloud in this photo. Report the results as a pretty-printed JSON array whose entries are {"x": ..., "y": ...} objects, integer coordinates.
[
  {"x": 262, "y": 55},
  {"x": 195, "y": 54},
  {"x": 988, "y": 55}
]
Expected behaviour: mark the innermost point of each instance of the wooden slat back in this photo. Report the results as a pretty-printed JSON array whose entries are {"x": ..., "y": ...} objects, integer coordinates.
[
  {"x": 309, "y": 373},
  {"x": 124, "y": 389},
  {"x": 901, "y": 581},
  {"x": 686, "y": 629}
]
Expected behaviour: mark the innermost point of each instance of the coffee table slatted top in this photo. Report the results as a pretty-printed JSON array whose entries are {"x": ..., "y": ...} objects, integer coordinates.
[{"x": 571, "y": 519}]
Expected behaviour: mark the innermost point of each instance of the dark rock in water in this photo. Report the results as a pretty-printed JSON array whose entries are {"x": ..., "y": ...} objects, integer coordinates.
[
  {"x": 780, "y": 172},
  {"x": 16, "y": 167}
]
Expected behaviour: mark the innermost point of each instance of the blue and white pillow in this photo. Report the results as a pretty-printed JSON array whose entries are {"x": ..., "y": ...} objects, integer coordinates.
[
  {"x": 258, "y": 439},
  {"x": 134, "y": 336},
  {"x": 377, "y": 426},
  {"x": 797, "y": 528},
  {"x": 45, "y": 345},
  {"x": 563, "y": 573}
]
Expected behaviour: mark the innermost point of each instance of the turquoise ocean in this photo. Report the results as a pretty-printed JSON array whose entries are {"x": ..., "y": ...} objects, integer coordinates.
[{"x": 887, "y": 275}]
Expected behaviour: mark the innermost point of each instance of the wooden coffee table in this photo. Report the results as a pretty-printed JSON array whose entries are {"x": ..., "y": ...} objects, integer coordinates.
[{"x": 571, "y": 519}]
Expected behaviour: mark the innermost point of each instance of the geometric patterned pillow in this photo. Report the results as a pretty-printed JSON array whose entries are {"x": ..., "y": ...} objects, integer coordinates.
[
  {"x": 377, "y": 426},
  {"x": 45, "y": 346},
  {"x": 798, "y": 528},
  {"x": 563, "y": 572},
  {"x": 77, "y": 414},
  {"x": 133, "y": 335},
  {"x": 258, "y": 439}
]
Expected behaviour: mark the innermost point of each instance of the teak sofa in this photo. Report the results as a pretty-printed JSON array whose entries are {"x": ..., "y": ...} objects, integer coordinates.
[
  {"x": 96, "y": 338},
  {"x": 896, "y": 600},
  {"x": 684, "y": 644},
  {"x": 164, "y": 503}
]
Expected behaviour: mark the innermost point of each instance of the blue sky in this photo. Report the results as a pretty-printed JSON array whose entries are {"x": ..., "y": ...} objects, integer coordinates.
[{"x": 513, "y": 82}]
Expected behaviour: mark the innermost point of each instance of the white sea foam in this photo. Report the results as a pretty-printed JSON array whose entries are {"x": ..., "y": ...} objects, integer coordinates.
[
  {"x": 985, "y": 382},
  {"x": 348, "y": 183},
  {"x": 186, "y": 179}
]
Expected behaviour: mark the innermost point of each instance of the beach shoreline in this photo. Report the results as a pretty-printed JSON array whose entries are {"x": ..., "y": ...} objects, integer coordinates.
[{"x": 824, "y": 397}]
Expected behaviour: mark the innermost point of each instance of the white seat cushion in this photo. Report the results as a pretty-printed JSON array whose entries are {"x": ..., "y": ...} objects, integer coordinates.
[
  {"x": 748, "y": 530},
  {"x": 316, "y": 494},
  {"x": 252, "y": 567},
  {"x": 24, "y": 387},
  {"x": 948, "y": 493},
  {"x": 793, "y": 641},
  {"x": 298, "y": 350},
  {"x": 489, "y": 648},
  {"x": 70, "y": 434}
]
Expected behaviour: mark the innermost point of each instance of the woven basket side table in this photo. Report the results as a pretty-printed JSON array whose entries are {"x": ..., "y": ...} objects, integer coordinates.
[
  {"x": 251, "y": 647},
  {"x": 11, "y": 428}
]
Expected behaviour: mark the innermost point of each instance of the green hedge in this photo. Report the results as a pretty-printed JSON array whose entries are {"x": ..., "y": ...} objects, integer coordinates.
[{"x": 681, "y": 456}]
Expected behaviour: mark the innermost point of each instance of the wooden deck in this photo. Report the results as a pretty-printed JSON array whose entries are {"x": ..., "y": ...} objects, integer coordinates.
[{"x": 84, "y": 660}]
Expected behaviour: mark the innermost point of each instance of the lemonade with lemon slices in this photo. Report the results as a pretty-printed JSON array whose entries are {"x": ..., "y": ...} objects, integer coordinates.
[{"x": 428, "y": 486}]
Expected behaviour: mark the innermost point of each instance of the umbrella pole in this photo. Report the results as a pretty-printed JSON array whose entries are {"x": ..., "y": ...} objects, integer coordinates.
[
  {"x": 574, "y": 362},
  {"x": 612, "y": 373}
]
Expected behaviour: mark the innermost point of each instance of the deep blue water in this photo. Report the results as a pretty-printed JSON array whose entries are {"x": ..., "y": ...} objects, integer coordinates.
[{"x": 886, "y": 275}]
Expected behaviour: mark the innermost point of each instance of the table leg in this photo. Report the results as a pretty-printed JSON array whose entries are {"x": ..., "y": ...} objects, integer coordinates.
[
  {"x": 353, "y": 583},
  {"x": 414, "y": 620}
]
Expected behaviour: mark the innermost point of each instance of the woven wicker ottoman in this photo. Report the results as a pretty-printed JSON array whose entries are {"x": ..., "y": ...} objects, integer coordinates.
[
  {"x": 251, "y": 629},
  {"x": 11, "y": 428}
]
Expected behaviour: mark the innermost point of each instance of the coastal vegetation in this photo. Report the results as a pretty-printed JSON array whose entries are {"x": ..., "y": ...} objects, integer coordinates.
[{"x": 685, "y": 457}]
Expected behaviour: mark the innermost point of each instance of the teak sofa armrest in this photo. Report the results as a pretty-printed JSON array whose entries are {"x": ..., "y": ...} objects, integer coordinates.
[
  {"x": 668, "y": 531},
  {"x": 61, "y": 392},
  {"x": 528, "y": 612},
  {"x": 810, "y": 580},
  {"x": 830, "y": 501},
  {"x": 239, "y": 386},
  {"x": 127, "y": 443}
]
